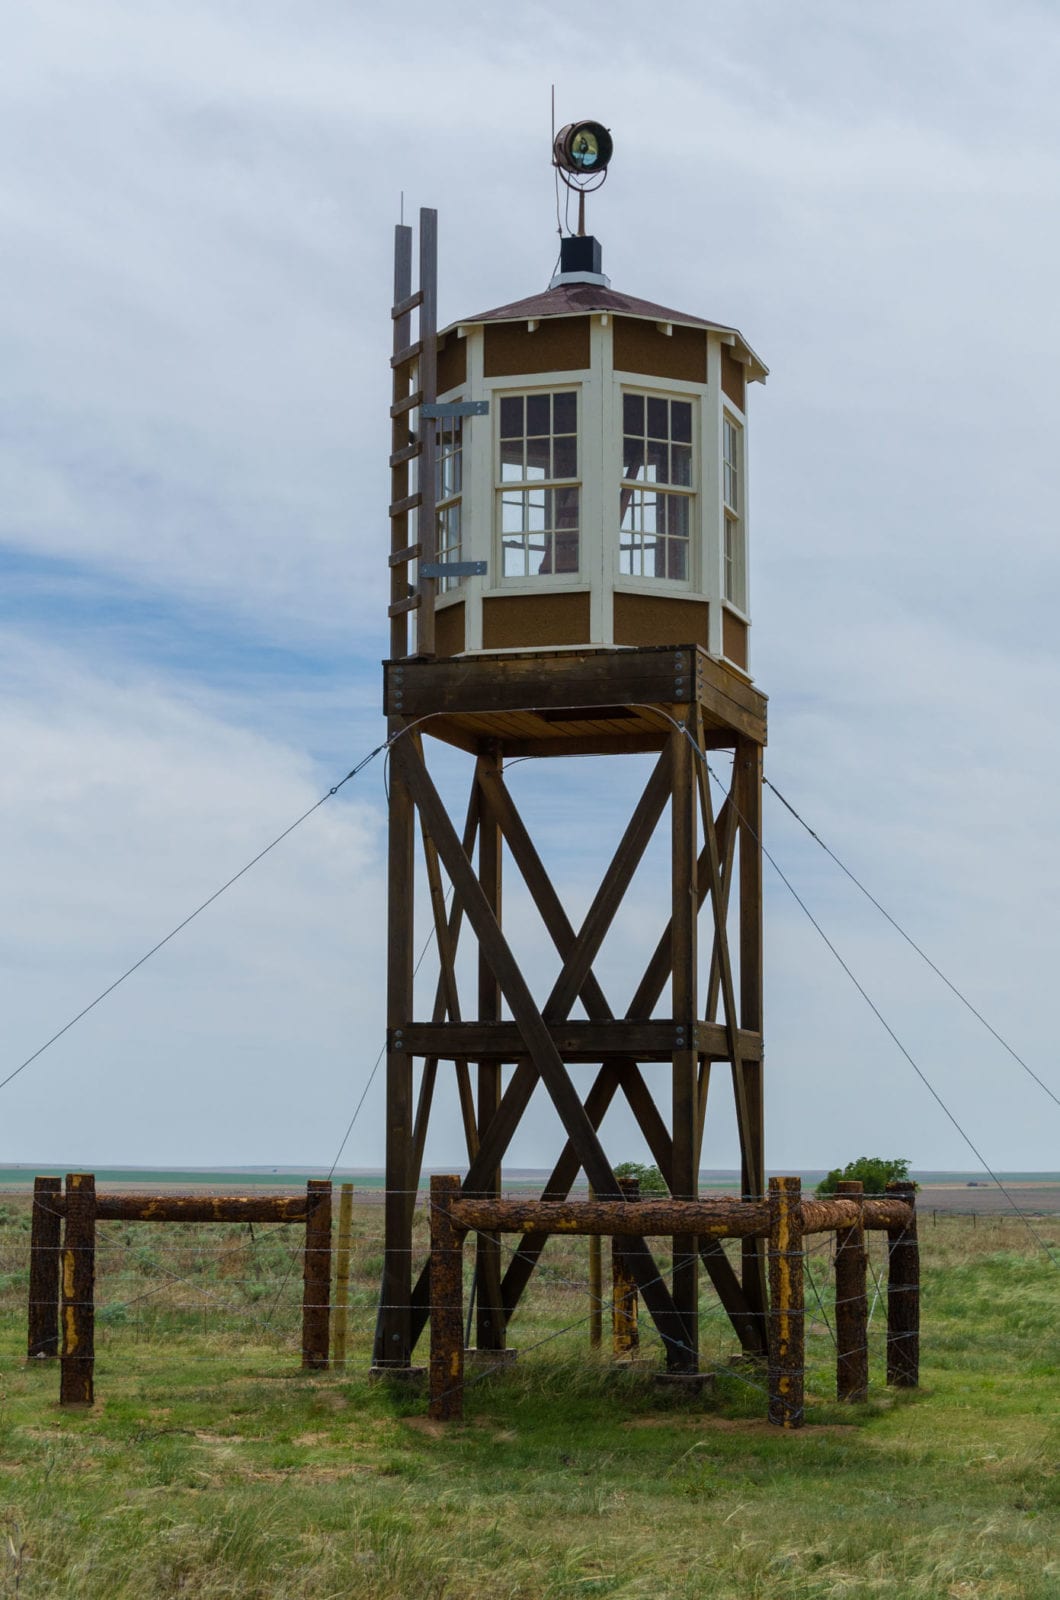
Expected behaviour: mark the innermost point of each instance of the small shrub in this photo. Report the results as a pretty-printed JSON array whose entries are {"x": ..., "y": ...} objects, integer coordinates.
[
  {"x": 875, "y": 1172},
  {"x": 650, "y": 1179}
]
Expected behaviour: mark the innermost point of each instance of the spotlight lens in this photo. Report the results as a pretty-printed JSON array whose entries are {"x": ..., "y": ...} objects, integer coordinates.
[{"x": 583, "y": 148}]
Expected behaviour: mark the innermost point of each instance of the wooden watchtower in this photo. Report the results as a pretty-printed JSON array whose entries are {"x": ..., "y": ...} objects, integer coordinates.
[{"x": 569, "y": 540}]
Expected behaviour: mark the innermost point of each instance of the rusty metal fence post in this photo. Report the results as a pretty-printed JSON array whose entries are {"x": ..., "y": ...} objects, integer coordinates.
[
  {"x": 786, "y": 1305},
  {"x": 78, "y": 1290},
  {"x": 447, "y": 1303},
  {"x": 851, "y": 1303},
  {"x": 340, "y": 1322},
  {"x": 316, "y": 1292},
  {"x": 42, "y": 1332},
  {"x": 903, "y": 1295},
  {"x": 625, "y": 1333}
]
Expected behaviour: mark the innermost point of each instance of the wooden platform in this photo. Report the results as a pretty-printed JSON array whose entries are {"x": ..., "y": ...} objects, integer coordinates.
[{"x": 574, "y": 702}]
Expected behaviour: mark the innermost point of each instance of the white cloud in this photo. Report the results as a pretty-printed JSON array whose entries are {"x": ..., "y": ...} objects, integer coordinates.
[{"x": 195, "y": 217}]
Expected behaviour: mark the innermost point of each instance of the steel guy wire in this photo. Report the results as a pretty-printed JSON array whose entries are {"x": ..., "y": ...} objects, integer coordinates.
[
  {"x": 877, "y": 1013},
  {"x": 896, "y": 925},
  {"x": 155, "y": 948}
]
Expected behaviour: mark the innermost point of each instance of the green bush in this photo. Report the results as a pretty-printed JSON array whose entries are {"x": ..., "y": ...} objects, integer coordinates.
[
  {"x": 650, "y": 1179},
  {"x": 875, "y": 1172}
]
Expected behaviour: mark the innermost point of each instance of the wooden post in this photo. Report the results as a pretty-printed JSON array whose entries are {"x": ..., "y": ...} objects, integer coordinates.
[
  {"x": 786, "y": 1306},
  {"x": 78, "y": 1286},
  {"x": 851, "y": 1305},
  {"x": 316, "y": 1294},
  {"x": 747, "y": 789},
  {"x": 45, "y": 1233},
  {"x": 596, "y": 1288},
  {"x": 342, "y": 1278},
  {"x": 625, "y": 1333},
  {"x": 490, "y": 1319},
  {"x": 684, "y": 1174},
  {"x": 393, "y": 1344},
  {"x": 447, "y": 1304},
  {"x": 903, "y": 1296}
]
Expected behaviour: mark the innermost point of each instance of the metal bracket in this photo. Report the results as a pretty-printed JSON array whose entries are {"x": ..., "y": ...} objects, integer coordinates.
[
  {"x": 452, "y": 569},
  {"x": 455, "y": 408}
]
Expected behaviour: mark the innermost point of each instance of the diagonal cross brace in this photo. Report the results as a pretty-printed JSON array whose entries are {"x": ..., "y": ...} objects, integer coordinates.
[{"x": 532, "y": 1026}]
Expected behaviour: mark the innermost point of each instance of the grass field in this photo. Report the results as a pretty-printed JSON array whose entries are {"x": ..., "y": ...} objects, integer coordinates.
[{"x": 211, "y": 1467}]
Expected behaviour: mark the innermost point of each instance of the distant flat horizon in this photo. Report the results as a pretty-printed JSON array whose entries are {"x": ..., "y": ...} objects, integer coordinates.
[{"x": 21, "y": 1172}]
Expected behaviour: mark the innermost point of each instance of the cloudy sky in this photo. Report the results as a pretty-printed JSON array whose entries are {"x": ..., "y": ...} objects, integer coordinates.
[{"x": 196, "y": 215}]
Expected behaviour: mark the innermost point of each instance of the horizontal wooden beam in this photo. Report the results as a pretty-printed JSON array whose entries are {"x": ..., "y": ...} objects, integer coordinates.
[
  {"x": 708, "y": 1217},
  {"x": 401, "y": 557},
  {"x": 409, "y": 303},
  {"x": 650, "y": 675},
  {"x": 411, "y": 352},
  {"x": 410, "y": 403},
  {"x": 193, "y": 1207},
  {"x": 575, "y": 1040},
  {"x": 721, "y": 1219}
]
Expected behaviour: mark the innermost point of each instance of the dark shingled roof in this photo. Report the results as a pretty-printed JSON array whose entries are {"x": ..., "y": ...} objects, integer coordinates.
[{"x": 576, "y": 299}]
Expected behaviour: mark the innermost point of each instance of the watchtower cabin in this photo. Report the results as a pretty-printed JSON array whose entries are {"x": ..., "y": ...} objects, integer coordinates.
[{"x": 570, "y": 575}]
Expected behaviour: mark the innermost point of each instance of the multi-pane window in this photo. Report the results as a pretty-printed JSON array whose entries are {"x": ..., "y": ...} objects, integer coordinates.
[
  {"x": 539, "y": 491},
  {"x": 448, "y": 486},
  {"x": 733, "y": 550},
  {"x": 656, "y": 500}
]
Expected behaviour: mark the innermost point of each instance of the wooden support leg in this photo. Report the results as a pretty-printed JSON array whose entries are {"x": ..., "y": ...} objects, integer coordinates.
[
  {"x": 447, "y": 1304},
  {"x": 786, "y": 1308},
  {"x": 316, "y": 1292},
  {"x": 393, "y": 1343},
  {"x": 684, "y": 1177},
  {"x": 903, "y": 1296},
  {"x": 342, "y": 1278},
  {"x": 624, "y": 1330},
  {"x": 78, "y": 1299},
  {"x": 490, "y": 1320},
  {"x": 851, "y": 1306},
  {"x": 45, "y": 1233}
]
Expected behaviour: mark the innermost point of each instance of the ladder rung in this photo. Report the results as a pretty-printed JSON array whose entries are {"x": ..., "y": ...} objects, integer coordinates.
[
  {"x": 410, "y": 553},
  {"x": 410, "y": 403},
  {"x": 410, "y": 303},
  {"x": 410, "y": 502},
  {"x": 400, "y": 606},
  {"x": 410, "y": 353},
  {"x": 408, "y": 454}
]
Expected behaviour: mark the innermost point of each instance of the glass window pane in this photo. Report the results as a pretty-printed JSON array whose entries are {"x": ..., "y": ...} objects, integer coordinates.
[
  {"x": 535, "y": 511},
  {"x": 565, "y": 502},
  {"x": 511, "y": 460},
  {"x": 514, "y": 559},
  {"x": 676, "y": 559},
  {"x": 657, "y": 465},
  {"x": 633, "y": 413},
  {"x": 512, "y": 520},
  {"x": 565, "y": 412},
  {"x": 681, "y": 463},
  {"x": 565, "y": 458},
  {"x": 632, "y": 457},
  {"x": 677, "y": 515},
  {"x": 536, "y": 459},
  {"x": 658, "y": 425},
  {"x": 537, "y": 417},
  {"x": 681, "y": 421},
  {"x": 512, "y": 417}
]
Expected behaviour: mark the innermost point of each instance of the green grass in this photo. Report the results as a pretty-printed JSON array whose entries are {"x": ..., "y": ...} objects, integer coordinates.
[{"x": 210, "y": 1467}]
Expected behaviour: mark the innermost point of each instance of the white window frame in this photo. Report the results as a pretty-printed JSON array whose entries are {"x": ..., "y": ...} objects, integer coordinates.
[
  {"x": 733, "y": 515},
  {"x": 554, "y": 383},
  {"x": 641, "y": 583}
]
